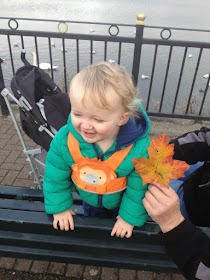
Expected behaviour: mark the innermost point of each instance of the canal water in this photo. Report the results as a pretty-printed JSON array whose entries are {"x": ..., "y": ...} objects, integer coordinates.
[{"x": 164, "y": 13}]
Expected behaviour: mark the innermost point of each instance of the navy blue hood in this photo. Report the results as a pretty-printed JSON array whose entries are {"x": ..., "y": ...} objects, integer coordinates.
[{"x": 133, "y": 130}]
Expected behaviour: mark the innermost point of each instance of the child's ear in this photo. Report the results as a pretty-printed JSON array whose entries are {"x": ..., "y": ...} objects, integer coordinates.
[{"x": 124, "y": 118}]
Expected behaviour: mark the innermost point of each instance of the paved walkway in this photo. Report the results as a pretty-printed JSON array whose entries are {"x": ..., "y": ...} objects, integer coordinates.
[{"x": 14, "y": 171}]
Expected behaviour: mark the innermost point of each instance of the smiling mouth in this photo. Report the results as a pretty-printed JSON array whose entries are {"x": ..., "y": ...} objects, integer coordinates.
[{"x": 88, "y": 134}]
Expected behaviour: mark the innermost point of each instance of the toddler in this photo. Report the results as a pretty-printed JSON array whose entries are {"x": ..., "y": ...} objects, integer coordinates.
[{"x": 107, "y": 127}]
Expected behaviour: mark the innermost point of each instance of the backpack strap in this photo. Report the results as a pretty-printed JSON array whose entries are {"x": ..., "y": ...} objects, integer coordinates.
[
  {"x": 112, "y": 162},
  {"x": 74, "y": 148}
]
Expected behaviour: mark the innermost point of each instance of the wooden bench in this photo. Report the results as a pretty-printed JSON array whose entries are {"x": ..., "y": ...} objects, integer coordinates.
[{"x": 26, "y": 232}]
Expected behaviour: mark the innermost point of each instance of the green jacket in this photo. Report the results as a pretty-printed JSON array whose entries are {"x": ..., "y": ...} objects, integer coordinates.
[{"x": 58, "y": 185}]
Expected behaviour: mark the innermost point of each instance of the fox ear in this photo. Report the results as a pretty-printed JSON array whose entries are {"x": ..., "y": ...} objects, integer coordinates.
[
  {"x": 124, "y": 118},
  {"x": 74, "y": 167}
]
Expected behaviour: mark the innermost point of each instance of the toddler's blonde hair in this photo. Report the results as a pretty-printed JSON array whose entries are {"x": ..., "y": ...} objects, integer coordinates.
[{"x": 95, "y": 79}]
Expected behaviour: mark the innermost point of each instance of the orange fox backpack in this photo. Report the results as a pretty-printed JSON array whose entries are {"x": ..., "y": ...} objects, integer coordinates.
[{"x": 94, "y": 175}]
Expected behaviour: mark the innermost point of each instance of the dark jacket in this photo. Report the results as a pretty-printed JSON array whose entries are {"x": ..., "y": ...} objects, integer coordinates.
[
  {"x": 193, "y": 147},
  {"x": 188, "y": 245},
  {"x": 189, "y": 248}
]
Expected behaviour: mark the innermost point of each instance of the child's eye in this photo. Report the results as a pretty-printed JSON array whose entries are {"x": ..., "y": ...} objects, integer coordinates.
[
  {"x": 77, "y": 114},
  {"x": 98, "y": 120}
]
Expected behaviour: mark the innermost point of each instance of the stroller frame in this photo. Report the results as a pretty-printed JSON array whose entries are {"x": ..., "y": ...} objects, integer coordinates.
[{"x": 30, "y": 154}]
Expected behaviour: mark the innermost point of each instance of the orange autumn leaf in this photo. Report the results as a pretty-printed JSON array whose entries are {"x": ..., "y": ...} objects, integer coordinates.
[{"x": 160, "y": 167}]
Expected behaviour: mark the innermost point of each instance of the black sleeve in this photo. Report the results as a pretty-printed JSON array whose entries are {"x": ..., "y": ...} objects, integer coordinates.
[
  {"x": 189, "y": 248},
  {"x": 193, "y": 146}
]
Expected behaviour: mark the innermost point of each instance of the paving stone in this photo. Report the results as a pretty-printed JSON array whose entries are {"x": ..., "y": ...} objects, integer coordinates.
[
  {"x": 57, "y": 268},
  {"x": 2, "y": 159},
  {"x": 12, "y": 166},
  {"x": 23, "y": 161},
  {"x": 178, "y": 277},
  {"x": 22, "y": 264},
  {"x": 13, "y": 147},
  {"x": 109, "y": 273},
  {"x": 14, "y": 140},
  {"x": 145, "y": 275},
  {"x": 3, "y": 143},
  {"x": 7, "y": 263},
  {"x": 12, "y": 157},
  {"x": 10, "y": 177},
  {"x": 5, "y": 128},
  {"x": 5, "y": 152},
  {"x": 164, "y": 276},
  {"x": 25, "y": 183},
  {"x": 5, "y": 135},
  {"x": 91, "y": 273},
  {"x": 24, "y": 173},
  {"x": 3, "y": 172},
  {"x": 127, "y": 274},
  {"x": 74, "y": 270},
  {"x": 39, "y": 267}
]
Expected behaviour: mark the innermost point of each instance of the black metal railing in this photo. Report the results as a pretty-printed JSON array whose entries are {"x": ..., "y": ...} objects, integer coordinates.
[{"x": 166, "y": 64}]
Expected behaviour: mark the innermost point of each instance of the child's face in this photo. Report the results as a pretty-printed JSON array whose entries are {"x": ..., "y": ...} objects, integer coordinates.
[{"x": 94, "y": 124}]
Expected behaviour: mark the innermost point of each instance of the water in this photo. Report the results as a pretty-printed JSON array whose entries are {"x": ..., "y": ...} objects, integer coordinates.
[{"x": 184, "y": 14}]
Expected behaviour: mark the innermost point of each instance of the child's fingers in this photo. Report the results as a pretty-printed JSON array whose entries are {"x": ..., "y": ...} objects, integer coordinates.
[
  {"x": 72, "y": 212},
  {"x": 66, "y": 224},
  {"x": 114, "y": 230},
  {"x": 128, "y": 234},
  {"x": 123, "y": 233},
  {"x": 71, "y": 222},
  {"x": 118, "y": 232},
  {"x": 55, "y": 224},
  {"x": 61, "y": 224}
]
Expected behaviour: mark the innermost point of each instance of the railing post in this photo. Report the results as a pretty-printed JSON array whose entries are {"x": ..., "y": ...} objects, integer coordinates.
[
  {"x": 138, "y": 45},
  {"x": 4, "y": 109}
]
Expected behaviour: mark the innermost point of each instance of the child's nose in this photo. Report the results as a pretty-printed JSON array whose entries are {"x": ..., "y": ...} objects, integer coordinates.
[{"x": 86, "y": 124}]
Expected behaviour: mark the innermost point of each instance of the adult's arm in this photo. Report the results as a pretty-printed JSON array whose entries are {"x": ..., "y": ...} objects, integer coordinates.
[
  {"x": 189, "y": 248},
  {"x": 187, "y": 245},
  {"x": 193, "y": 146}
]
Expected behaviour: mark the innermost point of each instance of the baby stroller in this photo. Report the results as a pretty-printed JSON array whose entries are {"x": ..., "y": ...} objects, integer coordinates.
[{"x": 43, "y": 108}]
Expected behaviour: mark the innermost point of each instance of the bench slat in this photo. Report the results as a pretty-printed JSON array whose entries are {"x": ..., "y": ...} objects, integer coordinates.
[
  {"x": 29, "y": 194},
  {"x": 89, "y": 258},
  {"x": 73, "y": 240},
  {"x": 31, "y": 206}
]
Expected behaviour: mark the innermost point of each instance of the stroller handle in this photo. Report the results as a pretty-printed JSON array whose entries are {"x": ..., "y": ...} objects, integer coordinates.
[
  {"x": 2, "y": 85},
  {"x": 23, "y": 58},
  {"x": 4, "y": 109}
]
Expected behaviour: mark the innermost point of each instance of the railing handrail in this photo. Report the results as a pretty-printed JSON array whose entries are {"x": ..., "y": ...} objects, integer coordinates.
[
  {"x": 70, "y": 21},
  {"x": 107, "y": 23}
]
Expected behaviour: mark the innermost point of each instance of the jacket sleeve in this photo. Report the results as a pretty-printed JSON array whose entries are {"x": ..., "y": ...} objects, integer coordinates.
[
  {"x": 189, "y": 248},
  {"x": 193, "y": 146},
  {"x": 131, "y": 208},
  {"x": 57, "y": 183}
]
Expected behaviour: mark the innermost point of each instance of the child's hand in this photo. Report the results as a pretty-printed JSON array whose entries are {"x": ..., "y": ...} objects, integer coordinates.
[
  {"x": 64, "y": 219},
  {"x": 122, "y": 228}
]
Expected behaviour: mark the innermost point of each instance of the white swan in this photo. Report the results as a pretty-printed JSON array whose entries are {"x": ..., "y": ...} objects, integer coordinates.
[
  {"x": 206, "y": 77},
  {"x": 64, "y": 49},
  {"x": 144, "y": 77},
  {"x": 92, "y": 30},
  {"x": 43, "y": 66},
  {"x": 15, "y": 44},
  {"x": 111, "y": 61}
]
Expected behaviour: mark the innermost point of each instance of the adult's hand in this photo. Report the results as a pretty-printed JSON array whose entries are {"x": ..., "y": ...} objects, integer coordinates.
[{"x": 162, "y": 205}]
